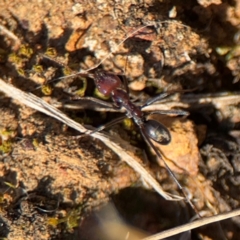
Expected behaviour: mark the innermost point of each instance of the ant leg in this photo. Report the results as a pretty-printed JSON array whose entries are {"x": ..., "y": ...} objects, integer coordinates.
[
  {"x": 125, "y": 83},
  {"x": 107, "y": 125},
  {"x": 169, "y": 112},
  {"x": 162, "y": 96},
  {"x": 155, "y": 99},
  {"x": 159, "y": 155},
  {"x": 146, "y": 138},
  {"x": 94, "y": 100}
]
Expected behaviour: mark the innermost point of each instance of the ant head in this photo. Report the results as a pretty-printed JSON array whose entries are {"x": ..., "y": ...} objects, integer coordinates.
[{"x": 106, "y": 82}]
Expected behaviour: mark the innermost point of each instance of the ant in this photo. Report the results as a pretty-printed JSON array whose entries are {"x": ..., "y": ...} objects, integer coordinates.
[{"x": 110, "y": 85}]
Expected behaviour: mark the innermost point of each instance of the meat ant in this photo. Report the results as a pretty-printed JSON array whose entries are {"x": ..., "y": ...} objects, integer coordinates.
[{"x": 110, "y": 85}]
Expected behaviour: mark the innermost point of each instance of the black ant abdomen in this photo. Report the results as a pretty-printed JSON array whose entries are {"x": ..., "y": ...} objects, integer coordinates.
[{"x": 158, "y": 132}]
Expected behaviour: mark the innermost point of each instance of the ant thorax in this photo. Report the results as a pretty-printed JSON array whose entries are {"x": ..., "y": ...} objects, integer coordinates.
[{"x": 121, "y": 99}]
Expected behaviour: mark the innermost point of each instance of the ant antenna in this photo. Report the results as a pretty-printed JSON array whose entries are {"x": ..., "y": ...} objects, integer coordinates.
[
  {"x": 146, "y": 138},
  {"x": 97, "y": 65}
]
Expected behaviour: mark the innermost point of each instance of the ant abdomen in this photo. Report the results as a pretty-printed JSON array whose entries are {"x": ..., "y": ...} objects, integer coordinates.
[{"x": 158, "y": 132}]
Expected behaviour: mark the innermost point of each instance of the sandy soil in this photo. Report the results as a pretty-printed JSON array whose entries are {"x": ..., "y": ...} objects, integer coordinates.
[{"x": 54, "y": 186}]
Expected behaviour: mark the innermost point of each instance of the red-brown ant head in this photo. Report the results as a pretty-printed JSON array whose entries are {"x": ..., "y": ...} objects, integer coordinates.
[{"x": 106, "y": 82}]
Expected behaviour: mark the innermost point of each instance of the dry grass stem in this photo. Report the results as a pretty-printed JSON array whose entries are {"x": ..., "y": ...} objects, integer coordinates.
[
  {"x": 38, "y": 104},
  {"x": 190, "y": 101},
  {"x": 189, "y": 226},
  {"x": 9, "y": 34}
]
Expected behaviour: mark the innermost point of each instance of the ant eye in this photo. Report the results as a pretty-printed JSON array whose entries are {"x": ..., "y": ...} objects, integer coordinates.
[{"x": 158, "y": 132}]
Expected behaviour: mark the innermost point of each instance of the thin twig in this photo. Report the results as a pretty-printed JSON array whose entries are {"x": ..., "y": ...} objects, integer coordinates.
[
  {"x": 5, "y": 31},
  {"x": 104, "y": 58},
  {"x": 189, "y": 102},
  {"x": 193, "y": 225}
]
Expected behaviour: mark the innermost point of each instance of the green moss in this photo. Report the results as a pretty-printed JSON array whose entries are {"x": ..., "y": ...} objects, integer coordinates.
[
  {"x": 71, "y": 220},
  {"x": 66, "y": 71},
  {"x": 51, "y": 52},
  {"x": 14, "y": 58},
  {"x": 35, "y": 143},
  {"x": 6, "y": 147},
  {"x": 37, "y": 68},
  {"x": 25, "y": 51},
  {"x": 21, "y": 72},
  {"x": 228, "y": 52},
  {"x": 81, "y": 91},
  {"x": 128, "y": 124},
  {"x": 46, "y": 90}
]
